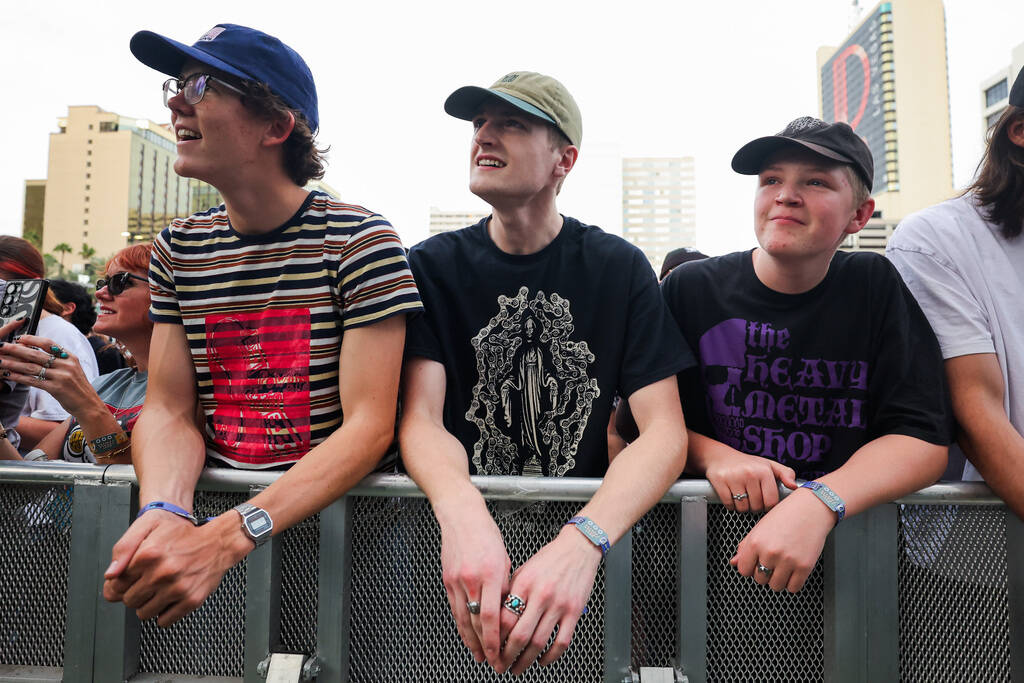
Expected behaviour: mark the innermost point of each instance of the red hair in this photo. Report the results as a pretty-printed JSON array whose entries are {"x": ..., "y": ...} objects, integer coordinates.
[
  {"x": 135, "y": 257},
  {"x": 19, "y": 260}
]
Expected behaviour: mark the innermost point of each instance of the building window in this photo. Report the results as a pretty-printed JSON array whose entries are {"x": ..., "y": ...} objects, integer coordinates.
[
  {"x": 89, "y": 141},
  {"x": 88, "y": 175},
  {"x": 992, "y": 119},
  {"x": 90, "y": 126},
  {"x": 108, "y": 126},
  {"x": 996, "y": 93},
  {"x": 85, "y": 221},
  {"x": 88, "y": 164},
  {"x": 86, "y": 210},
  {"x": 88, "y": 152},
  {"x": 86, "y": 187},
  {"x": 85, "y": 233}
]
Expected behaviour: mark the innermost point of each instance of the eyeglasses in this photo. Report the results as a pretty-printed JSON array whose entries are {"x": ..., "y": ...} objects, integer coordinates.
[
  {"x": 118, "y": 282},
  {"x": 194, "y": 87}
]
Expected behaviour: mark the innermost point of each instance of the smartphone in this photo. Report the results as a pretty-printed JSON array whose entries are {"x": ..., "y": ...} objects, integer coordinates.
[{"x": 22, "y": 299}]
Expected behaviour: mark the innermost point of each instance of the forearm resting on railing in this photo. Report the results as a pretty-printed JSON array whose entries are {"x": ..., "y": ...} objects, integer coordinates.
[
  {"x": 168, "y": 452},
  {"x": 987, "y": 437}
]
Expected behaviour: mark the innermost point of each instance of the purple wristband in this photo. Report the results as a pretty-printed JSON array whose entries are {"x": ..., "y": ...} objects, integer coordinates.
[{"x": 168, "y": 507}]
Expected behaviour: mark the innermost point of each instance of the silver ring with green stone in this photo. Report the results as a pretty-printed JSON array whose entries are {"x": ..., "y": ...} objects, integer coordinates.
[{"x": 515, "y": 604}]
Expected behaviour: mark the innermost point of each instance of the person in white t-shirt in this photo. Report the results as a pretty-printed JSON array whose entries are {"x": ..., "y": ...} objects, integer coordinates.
[{"x": 964, "y": 262}]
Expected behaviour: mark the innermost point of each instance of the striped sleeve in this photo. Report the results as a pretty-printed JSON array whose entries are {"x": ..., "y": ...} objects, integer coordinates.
[
  {"x": 163, "y": 306},
  {"x": 374, "y": 280}
]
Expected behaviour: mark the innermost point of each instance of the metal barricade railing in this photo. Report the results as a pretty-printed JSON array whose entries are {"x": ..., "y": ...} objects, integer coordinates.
[{"x": 919, "y": 590}]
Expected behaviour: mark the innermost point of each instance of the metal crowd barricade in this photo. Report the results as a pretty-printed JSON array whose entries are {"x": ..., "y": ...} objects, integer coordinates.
[{"x": 919, "y": 590}]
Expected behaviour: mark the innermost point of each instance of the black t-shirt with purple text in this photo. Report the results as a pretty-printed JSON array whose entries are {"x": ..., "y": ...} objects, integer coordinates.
[{"x": 807, "y": 379}]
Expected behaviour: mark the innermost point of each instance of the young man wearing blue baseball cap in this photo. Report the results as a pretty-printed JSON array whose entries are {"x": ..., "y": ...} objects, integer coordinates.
[
  {"x": 533, "y": 321},
  {"x": 276, "y": 313},
  {"x": 964, "y": 261},
  {"x": 813, "y": 363}
]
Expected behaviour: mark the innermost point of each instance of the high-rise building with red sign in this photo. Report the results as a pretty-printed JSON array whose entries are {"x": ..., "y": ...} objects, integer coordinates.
[{"x": 888, "y": 80}]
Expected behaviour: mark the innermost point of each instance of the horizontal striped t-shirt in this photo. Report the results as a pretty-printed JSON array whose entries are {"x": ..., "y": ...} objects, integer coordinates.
[{"x": 265, "y": 314}]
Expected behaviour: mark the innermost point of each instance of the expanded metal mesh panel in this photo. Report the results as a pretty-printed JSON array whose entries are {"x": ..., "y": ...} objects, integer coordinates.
[
  {"x": 300, "y": 558},
  {"x": 655, "y": 587},
  {"x": 402, "y": 629},
  {"x": 954, "y": 612},
  {"x": 209, "y": 641},
  {"x": 754, "y": 633},
  {"x": 35, "y": 544}
]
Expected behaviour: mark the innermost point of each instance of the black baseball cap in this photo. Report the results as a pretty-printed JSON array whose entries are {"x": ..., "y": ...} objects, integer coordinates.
[
  {"x": 1017, "y": 92},
  {"x": 835, "y": 141}
]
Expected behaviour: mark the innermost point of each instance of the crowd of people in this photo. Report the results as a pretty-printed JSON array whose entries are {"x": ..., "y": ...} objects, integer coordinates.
[{"x": 284, "y": 322}]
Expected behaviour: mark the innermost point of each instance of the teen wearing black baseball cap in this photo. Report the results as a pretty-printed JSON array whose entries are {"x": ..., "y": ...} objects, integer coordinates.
[{"x": 813, "y": 364}]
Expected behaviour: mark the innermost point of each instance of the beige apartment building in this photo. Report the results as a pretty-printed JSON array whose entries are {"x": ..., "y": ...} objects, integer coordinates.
[
  {"x": 110, "y": 182},
  {"x": 446, "y": 221},
  {"x": 888, "y": 80},
  {"x": 659, "y": 205},
  {"x": 995, "y": 90}
]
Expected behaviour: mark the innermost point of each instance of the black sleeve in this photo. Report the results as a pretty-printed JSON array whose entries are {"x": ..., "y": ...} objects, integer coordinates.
[
  {"x": 654, "y": 348},
  {"x": 907, "y": 391},
  {"x": 691, "y": 387},
  {"x": 420, "y": 337}
]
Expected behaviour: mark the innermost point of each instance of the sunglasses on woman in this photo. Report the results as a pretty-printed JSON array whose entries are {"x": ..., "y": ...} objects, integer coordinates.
[{"x": 118, "y": 282}]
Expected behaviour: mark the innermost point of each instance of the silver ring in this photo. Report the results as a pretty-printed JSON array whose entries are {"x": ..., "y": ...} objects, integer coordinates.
[
  {"x": 473, "y": 606},
  {"x": 740, "y": 496},
  {"x": 49, "y": 361},
  {"x": 42, "y": 374},
  {"x": 514, "y": 604},
  {"x": 764, "y": 570}
]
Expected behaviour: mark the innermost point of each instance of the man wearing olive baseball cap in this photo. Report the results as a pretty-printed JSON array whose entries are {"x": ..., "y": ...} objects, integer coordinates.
[
  {"x": 813, "y": 363},
  {"x": 255, "y": 304},
  {"x": 533, "y": 321}
]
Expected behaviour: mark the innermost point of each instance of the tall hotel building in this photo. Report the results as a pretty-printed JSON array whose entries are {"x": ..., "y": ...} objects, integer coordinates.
[
  {"x": 888, "y": 80},
  {"x": 110, "y": 182},
  {"x": 995, "y": 90},
  {"x": 659, "y": 205}
]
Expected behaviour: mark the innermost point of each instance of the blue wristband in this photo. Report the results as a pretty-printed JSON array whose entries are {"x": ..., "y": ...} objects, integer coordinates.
[
  {"x": 828, "y": 497},
  {"x": 592, "y": 531},
  {"x": 168, "y": 507}
]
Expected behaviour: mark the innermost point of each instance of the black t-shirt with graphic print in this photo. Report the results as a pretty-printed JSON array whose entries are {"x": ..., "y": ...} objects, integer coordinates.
[
  {"x": 536, "y": 346},
  {"x": 807, "y": 379}
]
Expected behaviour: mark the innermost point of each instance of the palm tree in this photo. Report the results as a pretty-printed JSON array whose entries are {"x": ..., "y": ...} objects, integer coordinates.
[
  {"x": 62, "y": 248},
  {"x": 87, "y": 252}
]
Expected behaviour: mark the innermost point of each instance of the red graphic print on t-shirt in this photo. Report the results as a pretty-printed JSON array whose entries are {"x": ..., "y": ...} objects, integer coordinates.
[{"x": 259, "y": 363}]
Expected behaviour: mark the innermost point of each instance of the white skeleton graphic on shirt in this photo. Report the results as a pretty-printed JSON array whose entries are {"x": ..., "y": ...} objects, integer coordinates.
[{"x": 533, "y": 395}]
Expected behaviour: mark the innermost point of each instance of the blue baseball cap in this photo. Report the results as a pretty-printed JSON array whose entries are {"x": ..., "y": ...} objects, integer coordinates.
[{"x": 242, "y": 52}]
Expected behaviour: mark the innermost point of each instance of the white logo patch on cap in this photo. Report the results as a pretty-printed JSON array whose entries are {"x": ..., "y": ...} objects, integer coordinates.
[{"x": 211, "y": 34}]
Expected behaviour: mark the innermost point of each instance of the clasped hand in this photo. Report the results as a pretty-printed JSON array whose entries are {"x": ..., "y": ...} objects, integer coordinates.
[
  {"x": 165, "y": 567},
  {"x": 555, "y": 584}
]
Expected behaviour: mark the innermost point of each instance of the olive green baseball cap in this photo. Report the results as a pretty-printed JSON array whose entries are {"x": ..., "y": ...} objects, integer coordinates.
[{"x": 536, "y": 94}]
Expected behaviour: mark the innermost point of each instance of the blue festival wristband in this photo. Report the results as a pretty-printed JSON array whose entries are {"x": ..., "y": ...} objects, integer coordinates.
[
  {"x": 168, "y": 507},
  {"x": 828, "y": 497},
  {"x": 592, "y": 531}
]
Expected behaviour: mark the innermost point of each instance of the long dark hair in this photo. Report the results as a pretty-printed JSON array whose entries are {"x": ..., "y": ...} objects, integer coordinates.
[{"x": 999, "y": 185}]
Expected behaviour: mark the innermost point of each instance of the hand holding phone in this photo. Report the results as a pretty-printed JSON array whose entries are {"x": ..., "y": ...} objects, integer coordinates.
[{"x": 22, "y": 300}]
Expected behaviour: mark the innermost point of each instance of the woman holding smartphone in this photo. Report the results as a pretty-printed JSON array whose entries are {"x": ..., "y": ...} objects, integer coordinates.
[{"x": 103, "y": 411}]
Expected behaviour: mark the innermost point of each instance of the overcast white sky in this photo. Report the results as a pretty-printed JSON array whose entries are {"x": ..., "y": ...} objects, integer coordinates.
[{"x": 651, "y": 78}]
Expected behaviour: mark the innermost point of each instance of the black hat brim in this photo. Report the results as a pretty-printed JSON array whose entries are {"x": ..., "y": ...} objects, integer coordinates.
[{"x": 750, "y": 158}]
